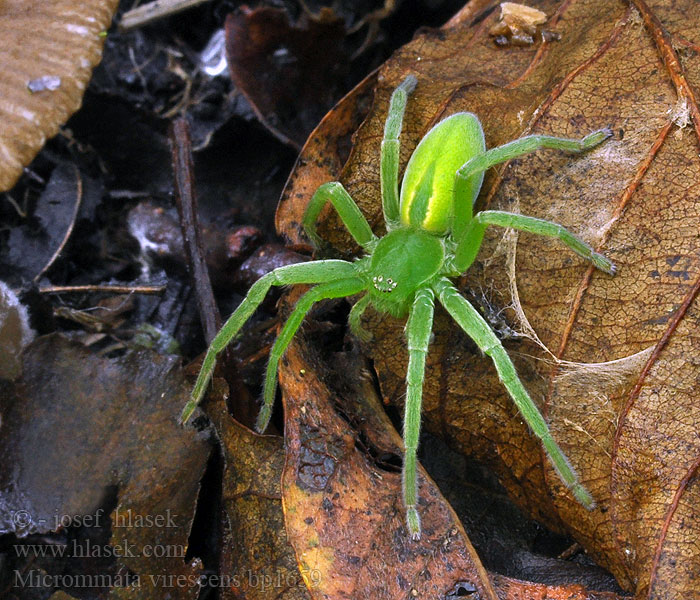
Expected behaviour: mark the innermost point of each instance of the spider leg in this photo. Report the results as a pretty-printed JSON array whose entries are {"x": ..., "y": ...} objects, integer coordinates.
[
  {"x": 471, "y": 240},
  {"x": 313, "y": 272},
  {"x": 418, "y": 329},
  {"x": 349, "y": 213},
  {"x": 389, "y": 164},
  {"x": 527, "y": 144},
  {"x": 474, "y": 325},
  {"x": 333, "y": 289},
  {"x": 476, "y": 165},
  {"x": 355, "y": 319}
]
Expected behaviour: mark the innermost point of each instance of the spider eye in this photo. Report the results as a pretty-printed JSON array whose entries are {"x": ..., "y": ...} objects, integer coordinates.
[{"x": 384, "y": 285}]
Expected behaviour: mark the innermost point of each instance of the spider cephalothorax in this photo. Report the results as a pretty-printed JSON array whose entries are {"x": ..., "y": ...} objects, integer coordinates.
[
  {"x": 395, "y": 272},
  {"x": 432, "y": 235}
]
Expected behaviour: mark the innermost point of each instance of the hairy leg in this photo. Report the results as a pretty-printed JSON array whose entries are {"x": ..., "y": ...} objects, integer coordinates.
[
  {"x": 468, "y": 247},
  {"x": 349, "y": 213},
  {"x": 528, "y": 144},
  {"x": 355, "y": 319},
  {"x": 312, "y": 272},
  {"x": 389, "y": 165},
  {"x": 474, "y": 325},
  {"x": 334, "y": 289},
  {"x": 418, "y": 329}
]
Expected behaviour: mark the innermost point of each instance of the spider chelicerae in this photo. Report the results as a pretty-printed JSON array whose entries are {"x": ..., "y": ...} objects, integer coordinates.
[{"x": 432, "y": 236}]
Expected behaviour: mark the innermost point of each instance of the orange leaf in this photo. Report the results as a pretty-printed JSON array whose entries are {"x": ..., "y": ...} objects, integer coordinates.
[{"x": 343, "y": 509}]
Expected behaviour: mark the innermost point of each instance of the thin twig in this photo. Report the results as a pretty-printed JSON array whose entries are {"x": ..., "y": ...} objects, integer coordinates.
[
  {"x": 186, "y": 198},
  {"x": 243, "y": 405},
  {"x": 153, "y": 11},
  {"x": 113, "y": 289},
  {"x": 16, "y": 206}
]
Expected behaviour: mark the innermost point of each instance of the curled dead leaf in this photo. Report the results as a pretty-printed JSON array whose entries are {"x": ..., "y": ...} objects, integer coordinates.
[
  {"x": 47, "y": 55},
  {"x": 343, "y": 508},
  {"x": 518, "y": 24}
]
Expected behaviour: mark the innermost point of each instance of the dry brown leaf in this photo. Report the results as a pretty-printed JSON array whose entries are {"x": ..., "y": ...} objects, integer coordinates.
[
  {"x": 629, "y": 419},
  {"x": 322, "y": 158},
  {"x": 51, "y": 47},
  {"x": 258, "y": 560},
  {"x": 343, "y": 509},
  {"x": 342, "y": 500}
]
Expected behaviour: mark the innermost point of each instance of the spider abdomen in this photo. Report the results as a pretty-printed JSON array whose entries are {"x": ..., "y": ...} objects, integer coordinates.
[{"x": 427, "y": 191}]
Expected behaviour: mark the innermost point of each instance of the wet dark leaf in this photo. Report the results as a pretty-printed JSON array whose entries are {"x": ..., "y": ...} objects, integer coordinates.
[
  {"x": 15, "y": 332},
  {"x": 76, "y": 427},
  {"x": 288, "y": 72},
  {"x": 265, "y": 259},
  {"x": 32, "y": 245}
]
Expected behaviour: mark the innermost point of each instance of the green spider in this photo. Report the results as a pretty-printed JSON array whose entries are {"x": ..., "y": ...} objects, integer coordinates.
[{"x": 432, "y": 236}]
